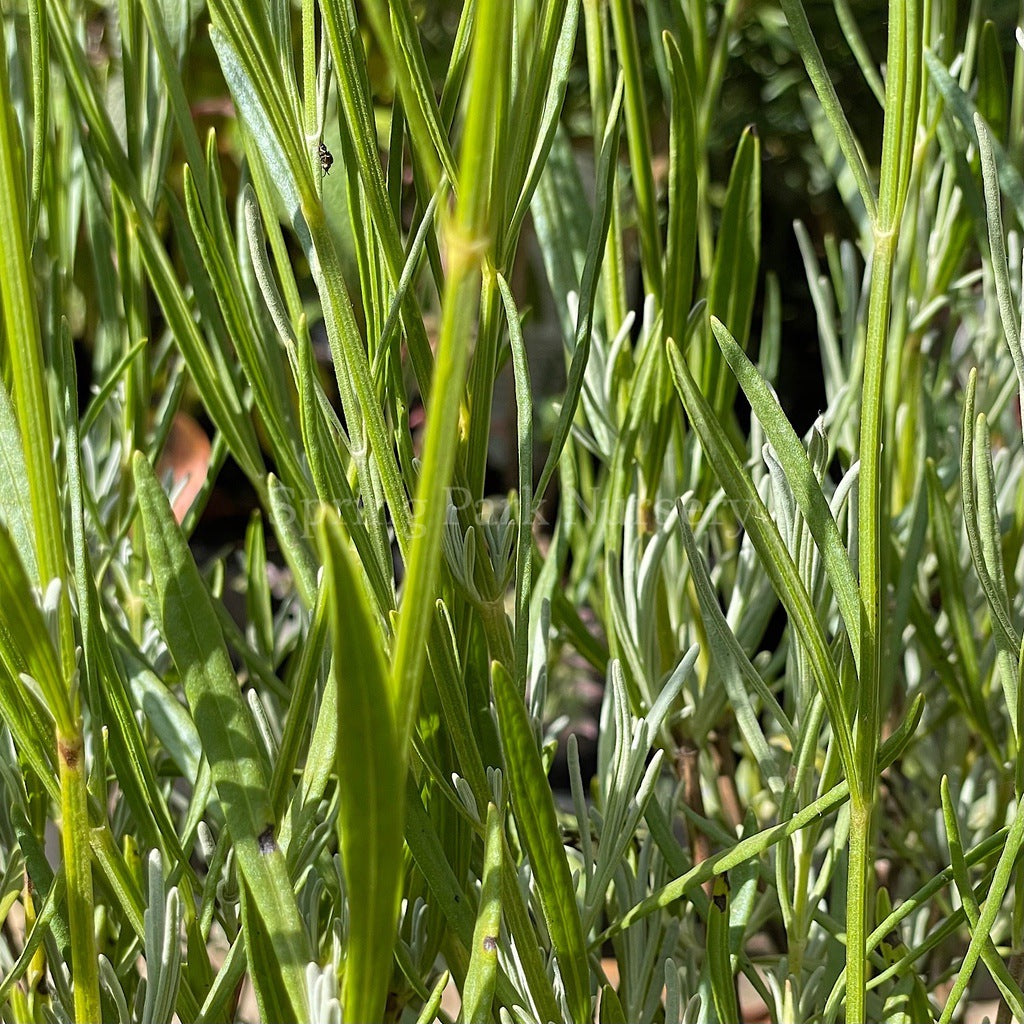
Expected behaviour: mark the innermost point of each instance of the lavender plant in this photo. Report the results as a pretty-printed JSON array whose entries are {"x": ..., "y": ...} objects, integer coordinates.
[{"x": 807, "y": 798}]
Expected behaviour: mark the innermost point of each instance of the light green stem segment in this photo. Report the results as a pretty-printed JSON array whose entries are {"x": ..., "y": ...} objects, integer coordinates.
[
  {"x": 871, "y": 537},
  {"x": 900, "y": 126},
  {"x": 469, "y": 243},
  {"x": 75, "y": 849},
  {"x": 857, "y": 897},
  {"x": 25, "y": 355}
]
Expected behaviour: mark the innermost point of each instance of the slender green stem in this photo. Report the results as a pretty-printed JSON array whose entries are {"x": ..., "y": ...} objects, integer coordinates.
[
  {"x": 858, "y": 895},
  {"x": 481, "y": 385},
  {"x": 638, "y": 135},
  {"x": 468, "y": 245},
  {"x": 24, "y": 345},
  {"x": 613, "y": 266},
  {"x": 78, "y": 872},
  {"x": 901, "y": 111},
  {"x": 25, "y": 353},
  {"x": 871, "y": 508}
]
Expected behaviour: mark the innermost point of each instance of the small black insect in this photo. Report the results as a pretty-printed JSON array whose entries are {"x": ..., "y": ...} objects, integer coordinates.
[
  {"x": 266, "y": 840},
  {"x": 326, "y": 160}
]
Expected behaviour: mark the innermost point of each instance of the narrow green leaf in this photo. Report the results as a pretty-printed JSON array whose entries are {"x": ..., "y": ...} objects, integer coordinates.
[
  {"x": 15, "y": 503},
  {"x": 775, "y": 557},
  {"x": 719, "y": 962},
  {"x": 302, "y": 685},
  {"x": 221, "y": 399},
  {"x": 983, "y": 852},
  {"x": 737, "y": 260},
  {"x": 611, "y": 1011},
  {"x": 395, "y": 27},
  {"x": 829, "y": 99},
  {"x": 958, "y": 864},
  {"x": 430, "y": 857},
  {"x": 261, "y": 363},
  {"x": 370, "y": 781},
  {"x": 638, "y": 137},
  {"x": 981, "y": 933},
  {"x": 948, "y": 558},
  {"x": 168, "y": 28},
  {"x": 963, "y": 110},
  {"x": 24, "y": 369},
  {"x": 25, "y": 642},
  {"x": 319, "y": 768},
  {"x": 291, "y": 534},
  {"x": 562, "y": 218},
  {"x": 993, "y": 95},
  {"x": 41, "y": 112},
  {"x": 992, "y": 552},
  {"x": 800, "y": 475},
  {"x": 470, "y": 241},
  {"x": 258, "y": 610},
  {"x": 343, "y": 30},
  {"x": 681, "y": 251},
  {"x": 729, "y": 659},
  {"x": 588, "y": 291},
  {"x": 44, "y": 879},
  {"x": 551, "y": 68},
  {"x": 978, "y": 499},
  {"x": 859, "y": 49},
  {"x": 524, "y": 526},
  {"x": 164, "y": 713},
  {"x": 478, "y": 991},
  {"x": 449, "y": 681},
  {"x": 265, "y": 98},
  {"x": 1008, "y": 312},
  {"x": 753, "y": 845},
  {"x": 105, "y": 388},
  {"x": 324, "y": 447},
  {"x": 182, "y": 609},
  {"x": 535, "y": 816},
  {"x": 521, "y": 927},
  {"x": 30, "y": 726},
  {"x": 271, "y": 999},
  {"x": 428, "y": 1015},
  {"x": 48, "y": 911},
  {"x": 743, "y": 898},
  {"x": 125, "y": 742}
]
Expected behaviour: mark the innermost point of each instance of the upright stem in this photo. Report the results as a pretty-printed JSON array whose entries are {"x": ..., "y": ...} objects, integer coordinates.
[
  {"x": 858, "y": 897},
  {"x": 871, "y": 530},
  {"x": 871, "y": 533},
  {"x": 75, "y": 848},
  {"x": 470, "y": 242},
  {"x": 481, "y": 386},
  {"x": 638, "y": 137},
  {"x": 25, "y": 353},
  {"x": 612, "y": 267},
  {"x": 901, "y": 113}
]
